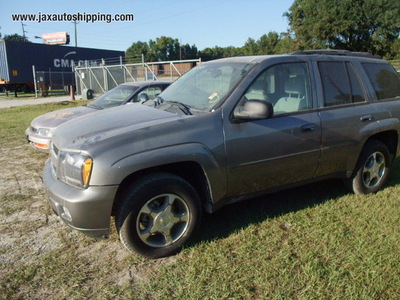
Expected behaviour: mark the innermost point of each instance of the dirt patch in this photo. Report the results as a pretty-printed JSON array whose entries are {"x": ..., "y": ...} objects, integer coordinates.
[
  {"x": 27, "y": 224},
  {"x": 40, "y": 256}
]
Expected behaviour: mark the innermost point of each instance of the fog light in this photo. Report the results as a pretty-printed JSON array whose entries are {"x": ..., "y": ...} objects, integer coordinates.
[{"x": 66, "y": 214}]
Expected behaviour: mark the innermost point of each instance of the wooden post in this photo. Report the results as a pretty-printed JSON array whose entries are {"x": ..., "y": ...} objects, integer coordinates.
[{"x": 72, "y": 92}]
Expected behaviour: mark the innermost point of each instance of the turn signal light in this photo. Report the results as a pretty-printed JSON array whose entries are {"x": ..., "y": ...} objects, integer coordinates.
[
  {"x": 86, "y": 170},
  {"x": 43, "y": 146}
]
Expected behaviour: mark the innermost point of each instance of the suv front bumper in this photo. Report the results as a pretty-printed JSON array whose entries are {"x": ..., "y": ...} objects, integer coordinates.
[
  {"x": 38, "y": 142},
  {"x": 86, "y": 210}
]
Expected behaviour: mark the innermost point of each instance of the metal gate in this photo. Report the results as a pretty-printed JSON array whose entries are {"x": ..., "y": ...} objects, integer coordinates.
[
  {"x": 102, "y": 78},
  {"x": 52, "y": 83}
]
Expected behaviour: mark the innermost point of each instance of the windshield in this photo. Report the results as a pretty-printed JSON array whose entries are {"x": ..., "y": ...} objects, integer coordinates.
[
  {"x": 206, "y": 85},
  {"x": 114, "y": 97}
]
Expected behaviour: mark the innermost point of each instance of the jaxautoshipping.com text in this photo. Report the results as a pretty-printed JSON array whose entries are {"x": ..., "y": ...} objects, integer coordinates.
[{"x": 76, "y": 17}]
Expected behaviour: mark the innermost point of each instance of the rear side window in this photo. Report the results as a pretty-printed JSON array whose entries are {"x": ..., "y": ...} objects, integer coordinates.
[
  {"x": 340, "y": 83},
  {"x": 385, "y": 80},
  {"x": 357, "y": 91}
]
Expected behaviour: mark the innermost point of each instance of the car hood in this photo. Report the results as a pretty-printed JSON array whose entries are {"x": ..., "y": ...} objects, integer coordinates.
[
  {"x": 55, "y": 118},
  {"x": 82, "y": 132}
]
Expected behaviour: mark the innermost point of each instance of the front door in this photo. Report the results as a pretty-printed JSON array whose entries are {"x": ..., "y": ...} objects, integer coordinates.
[{"x": 284, "y": 149}]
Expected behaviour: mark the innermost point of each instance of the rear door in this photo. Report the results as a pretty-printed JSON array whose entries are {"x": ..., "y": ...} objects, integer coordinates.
[{"x": 346, "y": 115}]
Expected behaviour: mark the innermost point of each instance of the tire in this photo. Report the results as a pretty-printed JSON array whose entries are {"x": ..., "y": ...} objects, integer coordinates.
[
  {"x": 372, "y": 169},
  {"x": 157, "y": 215}
]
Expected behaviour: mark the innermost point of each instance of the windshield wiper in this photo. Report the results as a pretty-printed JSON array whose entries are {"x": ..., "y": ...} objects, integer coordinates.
[
  {"x": 183, "y": 107},
  {"x": 94, "y": 106},
  {"x": 160, "y": 101}
]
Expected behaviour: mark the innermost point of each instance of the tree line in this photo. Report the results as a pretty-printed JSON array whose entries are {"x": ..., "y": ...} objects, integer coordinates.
[{"x": 357, "y": 25}]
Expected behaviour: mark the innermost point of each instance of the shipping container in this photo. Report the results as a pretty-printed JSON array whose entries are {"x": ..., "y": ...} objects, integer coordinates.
[{"x": 17, "y": 61}]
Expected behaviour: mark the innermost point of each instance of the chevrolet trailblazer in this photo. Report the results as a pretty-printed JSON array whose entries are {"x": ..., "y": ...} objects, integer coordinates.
[{"x": 227, "y": 130}]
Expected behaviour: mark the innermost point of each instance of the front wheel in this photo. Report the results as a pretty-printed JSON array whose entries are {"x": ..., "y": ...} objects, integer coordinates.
[
  {"x": 372, "y": 169},
  {"x": 157, "y": 215}
]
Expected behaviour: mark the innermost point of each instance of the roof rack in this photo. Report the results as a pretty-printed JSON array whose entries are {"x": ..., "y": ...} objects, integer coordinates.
[{"x": 334, "y": 52}]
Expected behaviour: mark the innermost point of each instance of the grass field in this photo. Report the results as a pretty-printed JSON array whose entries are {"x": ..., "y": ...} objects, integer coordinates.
[{"x": 313, "y": 242}]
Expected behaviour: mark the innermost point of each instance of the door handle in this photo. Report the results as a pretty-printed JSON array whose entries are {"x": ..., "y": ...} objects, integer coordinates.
[
  {"x": 366, "y": 118},
  {"x": 308, "y": 128}
]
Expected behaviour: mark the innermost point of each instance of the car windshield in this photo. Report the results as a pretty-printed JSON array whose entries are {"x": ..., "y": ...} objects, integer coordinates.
[
  {"x": 206, "y": 85},
  {"x": 114, "y": 97}
]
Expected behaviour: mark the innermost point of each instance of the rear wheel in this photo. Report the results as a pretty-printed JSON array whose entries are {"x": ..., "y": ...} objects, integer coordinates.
[
  {"x": 157, "y": 215},
  {"x": 372, "y": 169}
]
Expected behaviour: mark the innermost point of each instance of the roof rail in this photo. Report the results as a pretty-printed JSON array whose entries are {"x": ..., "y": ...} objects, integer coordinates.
[{"x": 334, "y": 52}]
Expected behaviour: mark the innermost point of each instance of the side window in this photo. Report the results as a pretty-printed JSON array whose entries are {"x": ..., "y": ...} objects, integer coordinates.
[
  {"x": 385, "y": 80},
  {"x": 335, "y": 85},
  {"x": 286, "y": 86},
  {"x": 340, "y": 83},
  {"x": 357, "y": 92},
  {"x": 151, "y": 92}
]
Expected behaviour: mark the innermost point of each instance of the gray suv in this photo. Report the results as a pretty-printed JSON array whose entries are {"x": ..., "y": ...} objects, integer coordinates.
[{"x": 228, "y": 130}]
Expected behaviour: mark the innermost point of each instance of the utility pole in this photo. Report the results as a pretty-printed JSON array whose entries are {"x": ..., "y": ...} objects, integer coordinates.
[
  {"x": 23, "y": 30},
  {"x": 76, "y": 36},
  {"x": 180, "y": 50}
]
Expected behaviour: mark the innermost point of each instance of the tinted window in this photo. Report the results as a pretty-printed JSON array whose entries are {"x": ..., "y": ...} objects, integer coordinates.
[
  {"x": 357, "y": 92},
  {"x": 334, "y": 83},
  {"x": 384, "y": 79},
  {"x": 340, "y": 83},
  {"x": 286, "y": 86}
]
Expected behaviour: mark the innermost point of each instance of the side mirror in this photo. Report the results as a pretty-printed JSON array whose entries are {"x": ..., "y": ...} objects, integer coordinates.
[
  {"x": 254, "y": 110},
  {"x": 143, "y": 98}
]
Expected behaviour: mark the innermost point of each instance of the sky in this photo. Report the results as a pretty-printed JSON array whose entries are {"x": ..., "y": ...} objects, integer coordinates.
[{"x": 205, "y": 23}]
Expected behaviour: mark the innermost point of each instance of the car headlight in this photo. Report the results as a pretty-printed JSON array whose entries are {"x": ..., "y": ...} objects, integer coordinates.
[
  {"x": 75, "y": 168},
  {"x": 46, "y": 132}
]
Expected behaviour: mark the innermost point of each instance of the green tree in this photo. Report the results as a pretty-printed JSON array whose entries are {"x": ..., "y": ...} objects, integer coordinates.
[
  {"x": 165, "y": 48},
  {"x": 162, "y": 49},
  {"x": 267, "y": 43},
  {"x": 211, "y": 53},
  {"x": 188, "y": 52},
  {"x": 232, "y": 51},
  {"x": 395, "y": 50},
  {"x": 136, "y": 50},
  {"x": 286, "y": 44},
  {"x": 16, "y": 38},
  {"x": 250, "y": 47},
  {"x": 357, "y": 25}
]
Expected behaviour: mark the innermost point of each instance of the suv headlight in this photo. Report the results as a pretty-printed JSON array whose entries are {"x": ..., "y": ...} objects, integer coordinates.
[
  {"x": 74, "y": 168},
  {"x": 47, "y": 132}
]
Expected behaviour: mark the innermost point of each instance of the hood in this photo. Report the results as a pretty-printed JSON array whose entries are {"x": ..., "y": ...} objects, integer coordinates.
[
  {"x": 80, "y": 133},
  {"x": 55, "y": 118}
]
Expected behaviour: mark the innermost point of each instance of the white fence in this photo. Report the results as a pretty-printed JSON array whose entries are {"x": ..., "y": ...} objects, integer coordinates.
[{"x": 102, "y": 78}]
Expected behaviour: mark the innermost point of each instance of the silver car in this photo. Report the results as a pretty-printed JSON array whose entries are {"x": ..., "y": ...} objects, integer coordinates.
[{"x": 41, "y": 129}]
